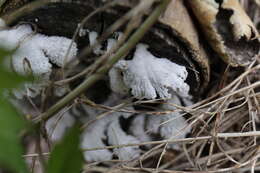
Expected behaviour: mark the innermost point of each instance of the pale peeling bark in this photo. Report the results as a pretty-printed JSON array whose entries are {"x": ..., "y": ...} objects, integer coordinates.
[
  {"x": 229, "y": 30},
  {"x": 242, "y": 24},
  {"x": 178, "y": 18}
]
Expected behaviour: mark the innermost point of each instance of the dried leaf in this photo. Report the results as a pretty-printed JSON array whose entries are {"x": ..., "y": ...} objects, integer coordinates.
[
  {"x": 11, "y": 149},
  {"x": 229, "y": 30},
  {"x": 242, "y": 25},
  {"x": 188, "y": 34}
]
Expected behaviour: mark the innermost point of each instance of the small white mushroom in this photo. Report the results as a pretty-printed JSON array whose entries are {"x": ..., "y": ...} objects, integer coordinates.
[
  {"x": 93, "y": 137},
  {"x": 107, "y": 128},
  {"x": 137, "y": 128},
  {"x": 170, "y": 126},
  {"x": 116, "y": 136},
  {"x": 55, "y": 48},
  {"x": 148, "y": 76},
  {"x": 34, "y": 53},
  {"x": 92, "y": 36},
  {"x": 116, "y": 81},
  {"x": 57, "y": 125}
]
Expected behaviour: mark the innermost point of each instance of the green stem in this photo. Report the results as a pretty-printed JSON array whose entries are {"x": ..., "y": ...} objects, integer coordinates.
[{"x": 134, "y": 39}]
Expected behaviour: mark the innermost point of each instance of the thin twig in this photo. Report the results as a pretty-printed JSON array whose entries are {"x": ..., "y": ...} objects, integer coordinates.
[{"x": 183, "y": 140}]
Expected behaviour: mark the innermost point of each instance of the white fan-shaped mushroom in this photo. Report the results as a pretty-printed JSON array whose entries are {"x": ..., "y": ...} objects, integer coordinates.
[
  {"x": 55, "y": 48},
  {"x": 148, "y": 76}
]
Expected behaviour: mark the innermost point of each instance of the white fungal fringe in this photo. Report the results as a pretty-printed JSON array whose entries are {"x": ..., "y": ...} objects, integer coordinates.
[
  {"x": 138, "y": 129},
  {"x": 148, "y": 76},
  {"x": 33, "y": 54}
]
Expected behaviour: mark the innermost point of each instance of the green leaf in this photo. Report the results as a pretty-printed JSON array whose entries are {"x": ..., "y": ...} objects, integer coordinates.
[
  {"x": 9, "y": 79},
  {"x": 11, "y": 149},
  {"x": 11, "y": 123},
  {"x": 66, "y": 156},
  {"x": 4, "y": 53}
]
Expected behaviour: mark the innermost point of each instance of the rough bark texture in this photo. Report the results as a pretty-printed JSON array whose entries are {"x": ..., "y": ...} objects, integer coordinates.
[
  {"x": 180, "y": 21},
  {"x": 229, "y": 30}
]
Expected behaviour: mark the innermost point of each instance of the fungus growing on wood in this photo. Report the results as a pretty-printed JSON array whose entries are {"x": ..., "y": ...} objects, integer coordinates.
[
  {"x": 35, "y": 53},
  {"x": 148, "y": 76},
  {"x": 163, "y": 65}
]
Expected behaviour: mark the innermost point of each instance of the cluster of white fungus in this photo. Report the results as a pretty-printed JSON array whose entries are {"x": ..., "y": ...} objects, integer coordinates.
[
  {"x": 148, "y": 76},
  {"x": 145, "y": 75},
  {"x": 142, "y": 129},
  {"x": 34, "y": 53},
  {"x": 138, "y": 128},
  {"x": 108, "y": 128},
  {"x": 93, "y": 137},
  {"x": 118, "y": 137},
  {"x": 169, "y": 126},
  {"x": 92, "y": 36}
]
